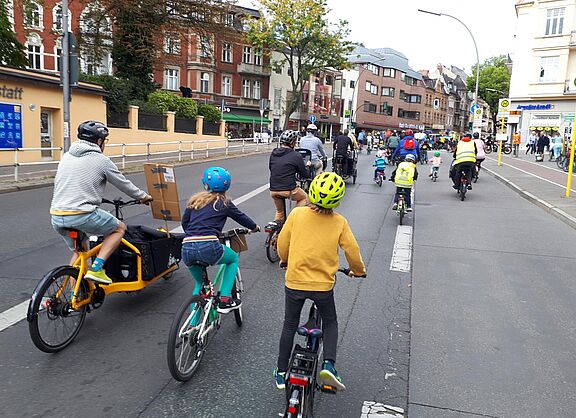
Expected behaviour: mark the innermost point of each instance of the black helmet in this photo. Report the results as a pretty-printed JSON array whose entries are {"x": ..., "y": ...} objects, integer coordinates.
[
  {"x": 289, "y": 138},
  {"x": 92, "y": 131},
  {"x": 476, "y": 135}
]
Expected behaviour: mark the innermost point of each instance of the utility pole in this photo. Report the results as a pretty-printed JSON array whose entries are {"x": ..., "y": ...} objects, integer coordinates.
[{"x": 65, "y": 74}]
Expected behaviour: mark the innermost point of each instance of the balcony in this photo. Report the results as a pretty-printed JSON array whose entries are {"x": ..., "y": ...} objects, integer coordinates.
[
  {"x": 247, "y": 101},
  {"x": 244, "y": 68}
]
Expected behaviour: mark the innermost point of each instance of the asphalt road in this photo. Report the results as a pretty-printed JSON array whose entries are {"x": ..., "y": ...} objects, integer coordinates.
[{"x": 486, "y": 327}]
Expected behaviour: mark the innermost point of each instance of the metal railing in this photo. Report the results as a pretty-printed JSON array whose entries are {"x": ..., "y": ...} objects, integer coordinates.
[{"x": 185, "y": 150}]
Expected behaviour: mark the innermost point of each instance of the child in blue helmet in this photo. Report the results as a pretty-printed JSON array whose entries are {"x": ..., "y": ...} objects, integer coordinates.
[{"x": 205, "y": 216}]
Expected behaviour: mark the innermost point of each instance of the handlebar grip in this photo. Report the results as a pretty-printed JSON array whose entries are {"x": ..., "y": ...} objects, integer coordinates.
[{"x": 346, "y": 271}]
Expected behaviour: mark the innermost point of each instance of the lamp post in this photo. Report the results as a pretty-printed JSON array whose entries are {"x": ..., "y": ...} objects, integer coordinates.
[
  {"x": 65, "y": 71},
  {"x": 475, "y": 47}
]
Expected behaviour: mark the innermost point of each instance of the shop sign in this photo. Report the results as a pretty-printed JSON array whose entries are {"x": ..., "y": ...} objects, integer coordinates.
[
  {"x": 410, "y": 126},
  {"x": 10, "y": 125},
  {"x": 547, "y": 106},
  {"x": 543, "y": 121},
  {"x": 9, "y": 93}
]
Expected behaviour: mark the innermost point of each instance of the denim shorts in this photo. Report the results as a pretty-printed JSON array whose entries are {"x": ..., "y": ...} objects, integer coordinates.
[
  {"x": 98, "y": 222},
  {"x": 209, "y": 252}
]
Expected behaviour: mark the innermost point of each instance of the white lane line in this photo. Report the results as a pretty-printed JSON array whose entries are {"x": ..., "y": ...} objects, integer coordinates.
[
  {"x": 380, "y": 410},
  {"x": 534, "y": 163},
  {"x": 13, "y": 315},
  {"x": 402, "y": 253},
  {"x": 17, "y": 313}
]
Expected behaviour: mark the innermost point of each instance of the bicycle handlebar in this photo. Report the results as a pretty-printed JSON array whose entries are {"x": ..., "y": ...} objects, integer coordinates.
[
  {"x": 347, "y": 271},
  {"x": 234, "y": 232},
  {"x": 120, "y": 203}
]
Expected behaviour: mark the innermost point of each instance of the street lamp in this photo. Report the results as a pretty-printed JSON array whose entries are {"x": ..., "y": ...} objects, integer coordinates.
[
  {"x": 496, "y": 91},
  {"x": 475, "y": 47}
]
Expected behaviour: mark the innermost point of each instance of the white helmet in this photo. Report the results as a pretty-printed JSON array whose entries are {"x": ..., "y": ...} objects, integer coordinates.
[
  {"x": 311, "y": 127},
  {"x": 410, "y": 158}
]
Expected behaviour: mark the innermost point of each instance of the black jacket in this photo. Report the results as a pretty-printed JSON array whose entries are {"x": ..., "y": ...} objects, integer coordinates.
[
  {"x": 284, "y": 164},
  {"x": 342, "y": 144}
]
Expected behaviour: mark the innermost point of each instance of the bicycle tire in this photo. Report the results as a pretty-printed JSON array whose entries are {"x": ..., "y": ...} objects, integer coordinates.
[
  {"x": 463, "y": 191},
  {"x": 401, "y": 213},
  {"x": 237, "y": 291},
  {"x": 561, "y": 162},
  {"x": 175, "y": 341},
  {"x": 271, "y": 249},
  {"x": 379, "y": 181},
  {"x": 488, "y": 150},
  {"x": 60, "y": 309},
  {"x": 506, "y": 149}
]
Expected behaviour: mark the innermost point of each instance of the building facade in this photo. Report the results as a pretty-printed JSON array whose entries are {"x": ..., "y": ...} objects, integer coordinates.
[
  {"x": 543, "y": 78},
  {"x": 280, "y": 91}
]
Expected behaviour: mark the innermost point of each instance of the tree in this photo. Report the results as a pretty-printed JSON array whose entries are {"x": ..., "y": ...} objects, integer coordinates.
[
  {"x": 11, "y": 50},
  {"x": 308, "y": 42},
  {"x": 494, "y": 82}
]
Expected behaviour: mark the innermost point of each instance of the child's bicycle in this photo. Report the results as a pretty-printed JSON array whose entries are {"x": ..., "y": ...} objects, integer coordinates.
[
  {"x": 463, "y": 186},
  {"x": 434, "y": 176},
  {"x": 61, "y": 300},
  {"x": 380, "y": 177},
  {"x": 401, "y": 208},
  {"x": 198, "y": 319},
  {"x": 301, "y": 381}
]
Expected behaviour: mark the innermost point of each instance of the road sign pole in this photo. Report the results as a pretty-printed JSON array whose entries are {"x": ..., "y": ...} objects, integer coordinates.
[
  {"x": 500, "y": 143},
  {"x": 571, "y": 166}
]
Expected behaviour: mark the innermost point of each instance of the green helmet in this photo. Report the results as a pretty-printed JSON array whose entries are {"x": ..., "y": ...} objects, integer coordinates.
[
  {"x": 326, "y": 190},
  {"x": 437, "y": 154}
]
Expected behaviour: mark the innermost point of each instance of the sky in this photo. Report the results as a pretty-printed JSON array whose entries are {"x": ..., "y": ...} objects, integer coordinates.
[{"x": 426, "y": 39}]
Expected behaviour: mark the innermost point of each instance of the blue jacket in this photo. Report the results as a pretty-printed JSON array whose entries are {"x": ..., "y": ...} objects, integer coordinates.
[
  {"x": 380, "y": 163},
  {"x": 211, "y": 219},
  {"x": 400, "y": 151}
]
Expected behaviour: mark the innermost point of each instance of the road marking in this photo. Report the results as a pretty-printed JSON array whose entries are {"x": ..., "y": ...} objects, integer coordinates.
[
  {"x": 13, "y": 315},
  {"x": 402, "y": 253},
  {"x": 17, "y": 313},
  {"x": 536, "y": 164},
  {"x": 379, "y": 410}
]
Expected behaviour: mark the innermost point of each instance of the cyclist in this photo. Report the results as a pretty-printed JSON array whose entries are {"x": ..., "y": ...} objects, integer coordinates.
[
  {"x": 436, "y": 162},
  {"x": 480, "y": 152},
  {"x": 380, "y": 164},
  {"x": 284, "y": 164},
  {"x": 79, "y": 187},
  {"x": 464, "y": 161},
  {"x": 311, "y": 268},
  {"x": 343, "y": 147},
  {"x": 408, "y": 145},
  {"x": 312, "y": 142},
  {"x": 393, "y": 141},
  {"x": 404, "y": 176},
  {"x": 205, "y": 215}
]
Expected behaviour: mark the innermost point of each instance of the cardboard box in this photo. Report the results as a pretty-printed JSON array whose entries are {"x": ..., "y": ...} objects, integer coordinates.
[{"x": 161, "y": 182}]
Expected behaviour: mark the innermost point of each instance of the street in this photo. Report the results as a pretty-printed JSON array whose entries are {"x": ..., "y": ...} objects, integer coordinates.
[{"x": 481, "y": 324}]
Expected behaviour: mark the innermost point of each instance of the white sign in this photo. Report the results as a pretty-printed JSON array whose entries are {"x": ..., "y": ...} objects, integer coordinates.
[
  {"x": 501, "y": 137},
  {"x": 478, "y": 113},
  {"x": 545, "y": 121},
  {"x": 503, "y": 107}
]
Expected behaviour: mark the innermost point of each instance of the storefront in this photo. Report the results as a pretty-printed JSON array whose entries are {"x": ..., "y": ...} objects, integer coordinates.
[
  {"x": 551, "y": 117},
  {"x": 243, "y": 124},
  {"x": 31, "y": 113}
]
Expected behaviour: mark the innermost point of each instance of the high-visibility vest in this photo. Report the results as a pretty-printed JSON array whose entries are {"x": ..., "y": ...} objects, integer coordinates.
[
  {"x": 465, "y": 152},
  {"x": 405, "y": 174}
]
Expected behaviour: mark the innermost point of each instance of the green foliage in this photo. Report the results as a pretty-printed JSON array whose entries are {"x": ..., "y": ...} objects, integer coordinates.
[
  {"x": 11, "y": 50},
  {"x": 494, "y": 75},
  {"x": 146, "y": 107},
  {"x": 211, "y": 113},
  {"x": 165, "y": 101},
  {"x": 118, "y": 91}
]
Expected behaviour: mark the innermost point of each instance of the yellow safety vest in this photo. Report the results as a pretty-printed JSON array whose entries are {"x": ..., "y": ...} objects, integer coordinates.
[
  {"x": 405, "y": 174},
  {"x": 465, "y": 152}
]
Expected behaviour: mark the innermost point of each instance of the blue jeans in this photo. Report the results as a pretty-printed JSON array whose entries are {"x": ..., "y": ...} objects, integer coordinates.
[
  {"x": 211, "y": 252},
  {"x": 98, "y": 222}
]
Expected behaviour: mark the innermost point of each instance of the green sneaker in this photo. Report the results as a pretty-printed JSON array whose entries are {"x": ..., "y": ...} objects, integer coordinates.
[
  {"x": 280, "y": 379},
  {"x": 330, "y": 377},
  {"x": 98, "y": 276}
]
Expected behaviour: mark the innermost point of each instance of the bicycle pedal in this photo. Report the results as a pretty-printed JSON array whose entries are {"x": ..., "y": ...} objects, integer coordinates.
[{"x": 328, "y": 389}]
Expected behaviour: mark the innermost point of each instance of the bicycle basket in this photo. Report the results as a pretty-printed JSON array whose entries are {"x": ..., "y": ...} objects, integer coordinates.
[{"x": 238, "y": 243}]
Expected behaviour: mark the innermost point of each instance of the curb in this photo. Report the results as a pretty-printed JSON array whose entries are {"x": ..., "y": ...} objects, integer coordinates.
[
  {"x": 49, "y": 181},
  {"x": 558, "y": 213}
]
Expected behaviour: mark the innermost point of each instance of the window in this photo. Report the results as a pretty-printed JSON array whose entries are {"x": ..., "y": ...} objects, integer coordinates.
[
  {"x": 368, "y": 86},
  {"x": 370, "y": 107},
  {"x": 388, "y": 91},
  {"x": 386, "y": 110},
  {"x": 247, "y": 55},
  {"x": 229, "y": 19},
  {"x": 278, "y": 100},
  {"x": 403, "y": 95},
  {"x": 204, "y": 82},
  {"x": 34, "y": 19},
  {"x": 374, "y": 89},
  {"x": 415, "y": 98},
  {"x": 57, "y": 54},
  {"x": 35, "y": 57},
  {"x": 57, "y": 18},
  {"x": 352, "y": 84},
  {"x": 409, "y": 80},
  {"x": 172, "y": 44},
  {"x": 204, "y": 46},
  {"x": 389, "y": 72},
  {"x": 549, "y": 69},
  {"x": 171, "y": 78},
  {"x": 246, "y": 88},
  {"x": 227, "y": 85},
  {"x": 258, "y": 56},
  {"x": 256, "y": 90},
  {"x": 374, "y": 68},
  {"x": 554, "y": 21},
  {"x": 226, "y": 52},
  {"x": 407, "y": 114}
]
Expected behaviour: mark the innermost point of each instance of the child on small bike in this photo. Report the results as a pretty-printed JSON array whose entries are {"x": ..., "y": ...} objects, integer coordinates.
[
  {"x": 205, "y": 216},
  {"x": 404, "y": 177},
  {"x": 436, "y": 162},
  {"x": 308, "y": 246},
  {"x": 380, "y": 164}
]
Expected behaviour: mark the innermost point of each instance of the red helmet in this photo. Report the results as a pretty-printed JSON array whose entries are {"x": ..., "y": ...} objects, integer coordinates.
[{"x": 409, "y": 132}]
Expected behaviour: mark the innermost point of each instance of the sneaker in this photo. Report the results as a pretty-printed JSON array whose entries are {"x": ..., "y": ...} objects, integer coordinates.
[
  {"x": 430, "y": 175},
  {"x": 395, "y": 206},
  {"x": 228, "y": 304},
  {"x": 408, "y": 209},
  {"x": 98, "y": 276},
  {"x": 330, "y": 377},
  {"x": 469, "y": 187},
  {"x": 280, "y": 379}
]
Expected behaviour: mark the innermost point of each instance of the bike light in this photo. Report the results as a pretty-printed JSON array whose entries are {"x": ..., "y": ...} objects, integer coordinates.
[
  {"x": 267, "y": 230},
  {"x": 298, "y": 380},
  {"x": 291, "y": 409}
]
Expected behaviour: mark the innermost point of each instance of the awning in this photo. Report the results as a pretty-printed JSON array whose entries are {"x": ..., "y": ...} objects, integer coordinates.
[{"x": 228, "y": 117}]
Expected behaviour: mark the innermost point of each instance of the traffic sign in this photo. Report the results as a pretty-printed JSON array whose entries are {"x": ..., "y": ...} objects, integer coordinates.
[
  {"x": 478, "y": 113},
  {"x": 312, "y": 118},
  {"x": 503, "y": 108},
  {"x": 474, "y": 108}
]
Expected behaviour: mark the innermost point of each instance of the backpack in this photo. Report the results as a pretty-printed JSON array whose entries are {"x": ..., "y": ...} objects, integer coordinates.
[{"x": 409, "y": 144}]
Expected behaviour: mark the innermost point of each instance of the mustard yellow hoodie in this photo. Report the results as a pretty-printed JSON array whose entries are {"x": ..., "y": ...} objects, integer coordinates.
[{"x": 309, "y": 241}]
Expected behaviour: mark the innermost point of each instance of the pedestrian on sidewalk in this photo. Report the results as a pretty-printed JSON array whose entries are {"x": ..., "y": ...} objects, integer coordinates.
[
  {"x": 516, "y": 141},
  {"x": 531, "y": 145},
  {"x": 543, "y": 142},
  {"x": 556, "y": 146}
]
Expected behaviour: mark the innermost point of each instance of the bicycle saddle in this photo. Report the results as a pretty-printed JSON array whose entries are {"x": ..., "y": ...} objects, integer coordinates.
[{"x": 310, "y": 328}]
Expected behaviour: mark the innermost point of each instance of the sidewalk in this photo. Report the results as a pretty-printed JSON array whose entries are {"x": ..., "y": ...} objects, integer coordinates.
[{"x": 542, "y": 183}]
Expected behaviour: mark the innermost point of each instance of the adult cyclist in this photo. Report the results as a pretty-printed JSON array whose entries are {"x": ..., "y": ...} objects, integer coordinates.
[
  {"x": 79, "y": 187},
  {"x": 284, "y": 164},
  {"x": 343, "y": 147},
  {"x": 464, "y": 161},
  {"x": 408, "y": 145},
  {"x": 312, "y": 143},
  {"x": 480, "y": 152}
]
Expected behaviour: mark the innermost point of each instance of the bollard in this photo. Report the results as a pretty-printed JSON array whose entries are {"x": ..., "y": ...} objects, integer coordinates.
[
  {"x": 192, "y": 151},
  {"x": 15, "y": 164},
  {"x": 227, "y": 148},
  {"x": 123, "y": 156},
  {"x": 148, "y": 151},
  {"x": 207, "y": 152},
  {"x": 242, "y": 145},
  {"x": 179, "y": 151}
]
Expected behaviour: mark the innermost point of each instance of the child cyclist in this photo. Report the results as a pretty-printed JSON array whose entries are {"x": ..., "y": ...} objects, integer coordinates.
[
  {"x": 436, "y": 162},
  {"x": 380, "y": 164},
  {"x": 308, "y": 246},
  {"x": 203, "y": 220},
  {"x": 404, "y": 177}
]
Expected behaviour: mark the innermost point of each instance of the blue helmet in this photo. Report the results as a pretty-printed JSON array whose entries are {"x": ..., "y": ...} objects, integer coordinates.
[{"x": 216, "y": 179}]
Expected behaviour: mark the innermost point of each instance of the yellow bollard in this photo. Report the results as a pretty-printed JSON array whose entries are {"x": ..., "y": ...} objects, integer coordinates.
[{"x": 571, "y": 164}]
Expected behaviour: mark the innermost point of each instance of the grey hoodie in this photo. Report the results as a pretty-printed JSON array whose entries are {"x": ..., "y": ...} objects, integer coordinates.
[{"x": 81, "y": 179}]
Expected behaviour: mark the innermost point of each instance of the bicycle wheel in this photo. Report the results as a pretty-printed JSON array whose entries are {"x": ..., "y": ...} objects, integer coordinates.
[
  {"x": 488, "y": 150},
  {"x": 237, "y": 291},
  {"x": 52, "y": 322},
  {"x": 271, "y": 249},
  {"x": 401, "y": 212},
  {"x": 561, "y": 162},
  {"x": 379, "y": 180},
  {"x": 506, "y": 149},
  {"x": 184, "y": 351},
  {"x": 463, "y": 191}
]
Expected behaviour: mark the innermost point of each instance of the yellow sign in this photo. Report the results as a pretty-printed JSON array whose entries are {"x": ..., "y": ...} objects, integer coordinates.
[{"x": 504, "y": 103}]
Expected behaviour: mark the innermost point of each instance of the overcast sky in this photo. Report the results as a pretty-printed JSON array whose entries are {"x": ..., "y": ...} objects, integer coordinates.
[{"x": 425, "y": 39}]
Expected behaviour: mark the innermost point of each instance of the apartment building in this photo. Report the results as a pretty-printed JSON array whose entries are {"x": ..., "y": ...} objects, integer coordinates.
[
  {"x": 543, "y": 78},
  {"x": 436, "y": 102}
]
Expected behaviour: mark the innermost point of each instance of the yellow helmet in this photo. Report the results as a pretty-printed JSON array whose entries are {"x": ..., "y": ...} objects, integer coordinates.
[{"x": 326, "y": 190}]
